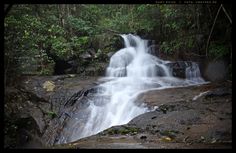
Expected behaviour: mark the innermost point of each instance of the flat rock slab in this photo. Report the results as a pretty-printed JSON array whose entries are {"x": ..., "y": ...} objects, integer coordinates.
[
  {"x": 184, "y": 117},
  {"x": 179, "y": 121}
]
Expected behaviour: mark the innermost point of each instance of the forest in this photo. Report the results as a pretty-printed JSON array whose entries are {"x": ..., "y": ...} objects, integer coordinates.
[
  {"x": 45, "y": 34},
  {"x": 44, "y": 43}
]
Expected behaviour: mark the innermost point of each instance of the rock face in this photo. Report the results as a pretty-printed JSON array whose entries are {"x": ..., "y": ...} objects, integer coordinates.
[
  {"x": 44, "y": 110},
  {"x": 23, "y": 119},
  {"x": 216, "y": 71},
  {"x": 187, "y": 117},
  {"x": 178, "y": 120},
  {"x": 178, "y": 68}
]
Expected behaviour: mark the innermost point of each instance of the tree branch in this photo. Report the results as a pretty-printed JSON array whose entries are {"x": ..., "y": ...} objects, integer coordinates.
[
  {"x": 212, "y": 28},
  {"x": 230, "y": 20}
]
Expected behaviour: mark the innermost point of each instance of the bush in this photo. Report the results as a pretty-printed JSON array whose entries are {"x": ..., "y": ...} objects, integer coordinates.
[{"x": 218, "y": 50}]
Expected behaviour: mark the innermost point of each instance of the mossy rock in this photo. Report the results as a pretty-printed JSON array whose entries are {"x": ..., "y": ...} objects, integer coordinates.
[
  {"x": 51, "y": 114},
  {"x": 123, "y": 130},
  {"x": 169, "y": 133}
]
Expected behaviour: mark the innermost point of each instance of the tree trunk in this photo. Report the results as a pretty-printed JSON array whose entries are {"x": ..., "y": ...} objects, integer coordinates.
[
  {"x": 230, "y": 20},
  {"x": 212, "y": 29},
  {"x": 61, "y": 11}
]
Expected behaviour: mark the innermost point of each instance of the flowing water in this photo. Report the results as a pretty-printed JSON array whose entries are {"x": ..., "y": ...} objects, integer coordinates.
[{"x": 131, "y": 71}]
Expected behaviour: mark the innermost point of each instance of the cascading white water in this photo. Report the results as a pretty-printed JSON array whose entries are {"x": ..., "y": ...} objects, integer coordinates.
[
  {"x": 193, "y": 73},
  {"x": 135, "y": 61},
  {"x": 131, "y": 70}
]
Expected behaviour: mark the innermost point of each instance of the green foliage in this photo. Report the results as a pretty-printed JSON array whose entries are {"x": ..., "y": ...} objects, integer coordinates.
[
  {"x": 73, "y": 29},
  {"x": 55, "y": 30},
  {"x": 51, "y": 114},
  {"x": 173, "y": 46},
  {"x": 169, "y": 133},
  {"x": 123, "y": 130},
  {"x": 165, "y": 47},
  {"x": 45, "y": 72},
  {"x": 124, "y": 21},
  {"x": 47, "y": 69},
  {"x": 60, "y": 46},
  {"x": 218, "y": 50},
  {"x": 80, "y": 25}
]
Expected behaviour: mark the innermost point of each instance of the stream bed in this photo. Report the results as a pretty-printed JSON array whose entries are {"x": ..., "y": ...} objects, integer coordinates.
[{"x": 142, "y": 102}]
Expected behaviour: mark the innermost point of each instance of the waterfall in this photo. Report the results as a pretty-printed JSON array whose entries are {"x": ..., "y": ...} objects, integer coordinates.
[
  {"x": 193, "y": 73},
  {"x": 135, "y": 61},
  {"x": 131, "y": 71}
]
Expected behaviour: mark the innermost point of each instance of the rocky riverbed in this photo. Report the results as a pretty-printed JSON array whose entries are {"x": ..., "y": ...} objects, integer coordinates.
[{"x": 186, "y": 117}]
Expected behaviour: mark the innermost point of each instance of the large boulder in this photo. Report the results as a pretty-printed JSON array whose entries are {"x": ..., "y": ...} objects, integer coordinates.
[
  {"x": 24, "y": 119},
  {"x": 215, "y": 71},
  {"x": 34, "y": 116}
]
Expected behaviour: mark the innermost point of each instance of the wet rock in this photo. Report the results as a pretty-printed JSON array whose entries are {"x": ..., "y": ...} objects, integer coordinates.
[
  {"x": 47, "y": 109},
  {"x": 177, "y": 121},
  {"x": 178, "y": 68},
  {"x": 159, "y": 71},
  {"x": 122, "y": 130},
  {"x": 219, "y": 92},
  {"x": 216, "y": 71},
  {"x": 24, "y": 105},
  {"x": 154, "y": 49},
  {"x": 21, "y": 131}
]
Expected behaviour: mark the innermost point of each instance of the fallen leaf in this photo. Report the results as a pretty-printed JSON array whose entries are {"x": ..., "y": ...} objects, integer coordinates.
[
  {"x": 166, "y": 139},
  {"x": 49, "y": 85}
]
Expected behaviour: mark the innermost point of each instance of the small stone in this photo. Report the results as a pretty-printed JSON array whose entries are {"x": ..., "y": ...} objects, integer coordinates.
[{"x": 213, "y": 140}]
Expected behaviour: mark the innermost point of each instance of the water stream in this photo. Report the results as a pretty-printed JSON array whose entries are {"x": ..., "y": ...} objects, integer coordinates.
[{"x": 131, "y": 71}]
